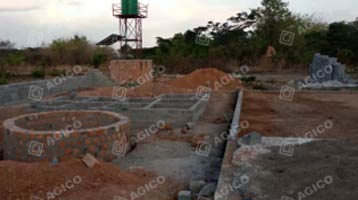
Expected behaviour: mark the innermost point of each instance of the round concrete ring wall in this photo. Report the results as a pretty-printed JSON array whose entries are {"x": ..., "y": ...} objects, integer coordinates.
[{"x": 55, "y": 135}]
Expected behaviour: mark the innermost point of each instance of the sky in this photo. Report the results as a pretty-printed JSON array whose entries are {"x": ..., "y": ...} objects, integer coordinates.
[{"x": 29, "y": 23}]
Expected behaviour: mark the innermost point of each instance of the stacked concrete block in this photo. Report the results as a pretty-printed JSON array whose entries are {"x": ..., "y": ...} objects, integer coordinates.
[
  {"x": 40, "y": 136},
  {"x": 251, "y": 139},
  {"x": 184, "y": 195},
  {"x": 339, "y": 73},
  {"x": 325, "y": 68}
]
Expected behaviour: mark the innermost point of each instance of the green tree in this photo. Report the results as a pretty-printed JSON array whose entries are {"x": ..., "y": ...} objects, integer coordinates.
[
  {"x": 6, "y": 44},
  {"x": 343, "y": 36},
  {"x": 273, "y": 17},
  {"x": 73, "y": 51},
  {"x": 100, "y": 56},
  {"x": 16, "y": 58}
]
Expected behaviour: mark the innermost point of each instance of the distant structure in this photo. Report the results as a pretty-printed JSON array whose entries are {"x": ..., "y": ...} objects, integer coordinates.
[{"x": 130, "y": 14}]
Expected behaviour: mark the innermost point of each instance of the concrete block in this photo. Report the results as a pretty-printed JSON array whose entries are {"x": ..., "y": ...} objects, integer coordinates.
[
  {"x": 251, "y": 138},
  {"x": 196, "y": 186},
  {"x": 136, "y": 168},
  {"x": 190, "y": 125},
  {"x": 207, "y": 191},
  {"x": 54, "y": 160},
  {"x": 325, "y": 68},
  {"x": 184, "y": 195},
  {"x": 90, "y": 161}
]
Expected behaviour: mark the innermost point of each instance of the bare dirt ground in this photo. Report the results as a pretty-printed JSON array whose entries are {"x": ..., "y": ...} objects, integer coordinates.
[
  {"x": 300, "y": 176},
  {"x": 271, "y": 116},
  {"x": 324, "y": 169},
  {"x": 30, "y": 180}
]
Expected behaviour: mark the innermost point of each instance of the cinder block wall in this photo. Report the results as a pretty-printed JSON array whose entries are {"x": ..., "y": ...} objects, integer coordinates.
[
  {"x": 19, "y": 92},
  {"x": 124, "y": 71}
]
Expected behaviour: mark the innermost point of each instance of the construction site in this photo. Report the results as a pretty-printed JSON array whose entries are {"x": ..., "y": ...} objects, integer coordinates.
[{"x": 131, "y": 129}]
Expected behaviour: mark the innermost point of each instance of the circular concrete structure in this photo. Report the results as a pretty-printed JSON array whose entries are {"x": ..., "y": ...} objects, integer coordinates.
[{"x": 54, "y": 135}]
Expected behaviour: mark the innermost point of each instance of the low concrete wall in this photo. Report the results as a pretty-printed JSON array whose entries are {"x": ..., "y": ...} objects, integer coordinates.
[
  {"x": 27, "y": 92},
  {"x": 174, "y": 109},
  {"x": 226, "y": 172}
]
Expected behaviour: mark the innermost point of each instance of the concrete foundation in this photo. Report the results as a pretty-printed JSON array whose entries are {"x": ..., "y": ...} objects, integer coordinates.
[
  {"x": 54, "y": 135},
  {"x": 174, "y": 109}
]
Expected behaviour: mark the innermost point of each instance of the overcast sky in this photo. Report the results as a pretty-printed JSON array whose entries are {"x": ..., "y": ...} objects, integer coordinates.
[{"x": 29, "y": 22}]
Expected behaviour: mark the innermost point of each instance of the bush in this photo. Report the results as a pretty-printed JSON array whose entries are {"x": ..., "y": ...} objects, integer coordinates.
[
  {"x": 248, "y": 79},
  {"x": 132, "y": 84},
  {"x": 99, "y": 57},
  {"x": 57, "y": 72},
  {"x": 345, "y": 55},
  {"x": 15, "y": 59},
  {"x": 259, "y": 86},
  {"x": 3, "y": 79},
  {"x": 38, "y": 73}
]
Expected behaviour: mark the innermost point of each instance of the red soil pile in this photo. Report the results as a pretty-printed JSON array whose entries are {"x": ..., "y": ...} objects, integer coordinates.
[
  {"x": 205, "y": 77},
  {"x": 24, "y": 180},
  {"x": 208, "y": 77}
]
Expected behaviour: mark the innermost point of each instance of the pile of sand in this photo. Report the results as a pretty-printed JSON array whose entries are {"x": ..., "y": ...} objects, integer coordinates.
[
  {"x": 202, "y": 77},
  {"x": 23, "y": 180},
  {"x": 208, "y": 77}
]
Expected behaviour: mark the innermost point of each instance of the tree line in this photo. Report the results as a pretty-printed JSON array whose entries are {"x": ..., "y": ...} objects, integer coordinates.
[
  {"x": 244, "y": 38},
  {"x": 72, "y": 51}
]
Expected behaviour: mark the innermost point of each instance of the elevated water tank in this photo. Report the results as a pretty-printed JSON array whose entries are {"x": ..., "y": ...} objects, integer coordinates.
[{"x": 129, "y": 7}]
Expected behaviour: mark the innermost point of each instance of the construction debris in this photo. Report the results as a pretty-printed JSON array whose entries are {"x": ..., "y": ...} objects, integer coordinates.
[
  {"x": 90, "y": 161},
  {"x": 190, "y": 125},
  {"x": 184, "y": 195},
  {"x": 251, "y": 139}
]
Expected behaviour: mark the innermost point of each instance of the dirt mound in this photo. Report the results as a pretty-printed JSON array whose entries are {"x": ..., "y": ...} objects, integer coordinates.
[
  {"x": 26, "y": 180},
  {"x": 209, "y": 77},
  {"x": 204, "y": 77},
  {"x": 332, "y": 164}
]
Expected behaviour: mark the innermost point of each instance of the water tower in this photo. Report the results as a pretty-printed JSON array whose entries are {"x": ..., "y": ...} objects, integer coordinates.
[{"x": 129, "y": 14}]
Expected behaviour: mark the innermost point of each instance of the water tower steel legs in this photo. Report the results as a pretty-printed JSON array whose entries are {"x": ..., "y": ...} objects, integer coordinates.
[{"x": 131, "y": 30}]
